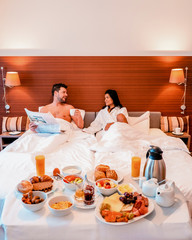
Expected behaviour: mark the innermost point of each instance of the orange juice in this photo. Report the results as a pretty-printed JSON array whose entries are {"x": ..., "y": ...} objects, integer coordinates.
[
  {"x": 40, "y": 165},
  {"x": 135, "y": 167}
]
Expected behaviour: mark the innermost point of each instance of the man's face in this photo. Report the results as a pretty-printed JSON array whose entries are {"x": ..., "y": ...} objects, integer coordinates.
[{"x": 62, "y": 95}]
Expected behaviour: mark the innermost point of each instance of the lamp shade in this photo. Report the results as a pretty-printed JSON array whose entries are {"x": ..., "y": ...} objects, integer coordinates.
[
  {"x": 177, "y": 76},
  {"x": 12, "y": 79}
]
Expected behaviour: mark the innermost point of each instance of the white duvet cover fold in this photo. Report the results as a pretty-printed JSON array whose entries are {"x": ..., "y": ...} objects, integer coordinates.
[{"x": 121, "y": 137}]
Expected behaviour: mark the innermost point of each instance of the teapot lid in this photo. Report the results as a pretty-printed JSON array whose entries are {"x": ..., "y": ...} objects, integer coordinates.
[{"x": 155, "y": 153}]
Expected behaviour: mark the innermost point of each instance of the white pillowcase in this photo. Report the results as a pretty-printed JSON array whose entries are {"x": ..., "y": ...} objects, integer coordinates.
[{"x": 141, "y": 123}]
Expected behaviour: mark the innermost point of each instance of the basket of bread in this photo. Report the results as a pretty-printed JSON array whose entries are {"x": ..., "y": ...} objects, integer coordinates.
[{"x": 104, "y": 171}]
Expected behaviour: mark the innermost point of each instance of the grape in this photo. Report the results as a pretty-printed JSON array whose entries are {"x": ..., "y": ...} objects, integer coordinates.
[
  {"x": 123, "y": 199},
  {"x": 126, "y": 194}
]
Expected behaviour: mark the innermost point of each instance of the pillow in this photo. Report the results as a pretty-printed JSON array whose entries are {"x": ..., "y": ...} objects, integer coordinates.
[
  {"x": 15, "y": 124},
  {"x": 168, "y": 124},
  {"x": 140, "y": 123}
]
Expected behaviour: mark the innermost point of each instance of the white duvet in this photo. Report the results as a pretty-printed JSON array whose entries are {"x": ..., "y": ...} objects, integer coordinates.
[{"x": 115, "y": 148}]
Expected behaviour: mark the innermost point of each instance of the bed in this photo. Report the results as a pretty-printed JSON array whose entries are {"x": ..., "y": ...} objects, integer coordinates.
[{"x": 77, "y": 147}]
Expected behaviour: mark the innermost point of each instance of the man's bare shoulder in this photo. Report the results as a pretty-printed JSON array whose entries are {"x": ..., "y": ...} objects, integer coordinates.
[
  {"x": 46, "y": 108},
  {"x": 69, "y": 106}
]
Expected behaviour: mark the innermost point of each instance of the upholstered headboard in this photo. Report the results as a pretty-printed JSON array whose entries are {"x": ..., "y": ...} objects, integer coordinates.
[{"x": 155, "y": 118}]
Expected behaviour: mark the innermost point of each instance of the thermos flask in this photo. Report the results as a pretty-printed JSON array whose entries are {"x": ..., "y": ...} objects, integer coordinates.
[{"x": 154, "y": 165}]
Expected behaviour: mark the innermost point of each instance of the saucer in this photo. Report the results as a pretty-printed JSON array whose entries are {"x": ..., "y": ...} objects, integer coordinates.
[
  {"x": 179, "y": 134},
  {"x": 14, "y": 133}
]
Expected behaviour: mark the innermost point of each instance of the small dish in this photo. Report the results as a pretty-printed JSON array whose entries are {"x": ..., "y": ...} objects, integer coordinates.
[
  {"x": 126, "y": 187},
  {"x": 37, "y": 206},
  {"x": 73, "y": 169},
  {"x": 14, "y": 133},
  {"x": 112, "y": 184},
  {"x": 70, "y": 185},
  {"x": 60, "y": 212},
  {"x": 79, "y": 203},
  {"x": 179, "y": 134}
]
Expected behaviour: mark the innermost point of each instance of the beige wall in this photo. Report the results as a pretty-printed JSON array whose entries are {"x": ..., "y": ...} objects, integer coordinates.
[{"x": 95, "y": 27}]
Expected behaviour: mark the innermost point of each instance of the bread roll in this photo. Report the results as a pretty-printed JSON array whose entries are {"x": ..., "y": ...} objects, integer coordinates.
[
  {"x": 102, "y": 168},
  {"x": 111, "y": 174},
  {"x": 99, "y": 175},
  {"x": 24, "y": 186}
]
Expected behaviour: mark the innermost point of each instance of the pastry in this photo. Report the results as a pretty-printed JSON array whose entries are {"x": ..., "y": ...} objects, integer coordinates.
[
  {"x": 102, "y": 168},
  {"x": 99, "y": 175},
  {"x": 43, "y": 186},
  {"x": 111, "y": 174},
  {"x": 24, "y": 186},
  {"x": 46, "y": 178},
  {"x": 34, "y": 179}
]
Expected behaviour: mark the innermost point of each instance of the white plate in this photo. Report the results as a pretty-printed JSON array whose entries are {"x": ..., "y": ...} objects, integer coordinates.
[
  {"x": 52, "y": 190},
  {"x": 98, "y": 215},
  {"x": 90, "y": 176},
  {"x": 179, "y": 134},
  {"x": 82, "y": 205},
  {"x": 14, "y": 133},
  {"x": 131, "y": 185}
]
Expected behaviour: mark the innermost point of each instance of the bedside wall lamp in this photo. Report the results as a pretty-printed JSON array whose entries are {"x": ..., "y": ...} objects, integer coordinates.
[
  {"x": 177, "y": 76},
  {"x": 11, "y": 80}
]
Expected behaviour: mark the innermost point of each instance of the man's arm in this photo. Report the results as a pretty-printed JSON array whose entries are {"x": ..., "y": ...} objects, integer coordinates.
[{"x": 78, "y": 119}]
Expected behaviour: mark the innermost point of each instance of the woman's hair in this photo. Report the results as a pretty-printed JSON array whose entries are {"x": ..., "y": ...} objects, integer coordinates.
[{"x": 113, "y": 94}]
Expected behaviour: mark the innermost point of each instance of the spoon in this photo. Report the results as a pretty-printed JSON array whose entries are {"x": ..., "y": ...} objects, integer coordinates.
[
  {"x": 65, "y": 180},
  {"x": 57, "y": 178}
]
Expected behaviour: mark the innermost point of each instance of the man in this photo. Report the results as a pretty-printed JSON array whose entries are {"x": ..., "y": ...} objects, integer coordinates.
[{"x": 59, "y": 108}]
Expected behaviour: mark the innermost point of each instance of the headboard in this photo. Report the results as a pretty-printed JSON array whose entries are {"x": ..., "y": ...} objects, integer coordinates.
[{"x": 155, "y": 118}]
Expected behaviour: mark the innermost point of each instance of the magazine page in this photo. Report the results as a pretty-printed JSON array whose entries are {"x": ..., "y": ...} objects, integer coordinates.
[{"x": 45, "y": 121}]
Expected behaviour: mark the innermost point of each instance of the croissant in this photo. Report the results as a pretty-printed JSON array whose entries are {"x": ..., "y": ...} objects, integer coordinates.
[
  {"x": 46, "y": 178},
  {"x": 34, "y": 179}
]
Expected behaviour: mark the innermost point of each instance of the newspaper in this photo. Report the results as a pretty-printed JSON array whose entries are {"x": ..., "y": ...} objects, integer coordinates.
[{"x": 45, "y": 122}]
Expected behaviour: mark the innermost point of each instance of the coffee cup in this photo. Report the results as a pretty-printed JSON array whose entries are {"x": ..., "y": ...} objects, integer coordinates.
[
  {"x": 177, "y": 130},
  {"x": 72, "y": 112}
]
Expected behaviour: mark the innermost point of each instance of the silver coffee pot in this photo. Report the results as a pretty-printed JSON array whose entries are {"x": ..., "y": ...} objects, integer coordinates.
[{"x": 154, "y": 165}]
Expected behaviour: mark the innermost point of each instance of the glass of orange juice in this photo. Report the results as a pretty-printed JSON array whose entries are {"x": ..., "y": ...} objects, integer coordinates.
[
  {"x": 40, "y": 165},
  {"x": 135, "y": 167}
]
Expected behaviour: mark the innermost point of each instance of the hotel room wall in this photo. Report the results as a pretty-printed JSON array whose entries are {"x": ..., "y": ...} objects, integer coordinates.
[{"x": 141, "y": 82}]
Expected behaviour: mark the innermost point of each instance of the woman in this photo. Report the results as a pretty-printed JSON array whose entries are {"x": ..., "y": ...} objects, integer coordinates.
[{"x": 112, "y": 112}]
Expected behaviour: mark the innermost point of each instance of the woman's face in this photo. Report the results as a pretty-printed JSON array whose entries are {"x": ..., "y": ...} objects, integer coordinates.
[{"x": 108, "y": 100}]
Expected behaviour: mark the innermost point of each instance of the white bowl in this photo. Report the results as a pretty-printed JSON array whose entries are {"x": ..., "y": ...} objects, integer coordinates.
[
  {"x": 37, "y": 206},
  {"x": 70, "y": 170},
  {"x": 73, "y": 186},
  {"x": 60, "y": 212},
  {"x": 105, "y": 191}
]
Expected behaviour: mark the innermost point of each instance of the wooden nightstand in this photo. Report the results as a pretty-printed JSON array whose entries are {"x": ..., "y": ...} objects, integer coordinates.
[
  {"x": 185, "y": 137},
  {"x": 6, "y": 139}
]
